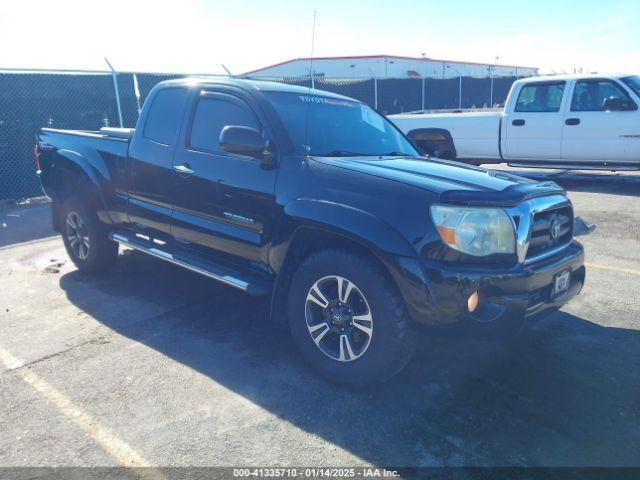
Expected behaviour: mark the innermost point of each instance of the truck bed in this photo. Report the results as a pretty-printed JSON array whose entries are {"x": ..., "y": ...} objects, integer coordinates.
[
  {"x": 104, "y": 132},
  {"x": 104, "y": 150},
  {"x": 112, "y": 140},
  {"x": 476, "y": 134}
]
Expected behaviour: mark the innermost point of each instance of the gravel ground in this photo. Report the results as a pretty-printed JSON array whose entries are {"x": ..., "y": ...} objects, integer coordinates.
[{"x": 155, "y": 366}]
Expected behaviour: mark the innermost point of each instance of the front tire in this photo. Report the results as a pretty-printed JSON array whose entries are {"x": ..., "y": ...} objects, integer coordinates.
[
  {"x": 348, "y": 320},
  {"x": 86, "y": 238}
]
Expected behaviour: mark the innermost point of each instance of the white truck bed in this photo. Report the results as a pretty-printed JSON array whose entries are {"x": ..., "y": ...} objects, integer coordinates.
[{"x": 475, "y": 134}]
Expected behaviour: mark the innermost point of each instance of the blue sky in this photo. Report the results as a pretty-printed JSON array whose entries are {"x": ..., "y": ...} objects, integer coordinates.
[{"x": 199, "y": 35}]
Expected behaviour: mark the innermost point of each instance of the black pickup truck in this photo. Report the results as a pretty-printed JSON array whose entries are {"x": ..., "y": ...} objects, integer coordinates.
[{"x": 323, "y": 204}]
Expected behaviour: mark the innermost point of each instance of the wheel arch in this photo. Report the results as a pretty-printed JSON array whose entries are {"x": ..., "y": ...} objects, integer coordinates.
[
  {"x": 351, "y": 222},
  {"x": 75, "y": 176},
  {"x": 427, "y": 140},
  {"x": 324, "y": 225}
]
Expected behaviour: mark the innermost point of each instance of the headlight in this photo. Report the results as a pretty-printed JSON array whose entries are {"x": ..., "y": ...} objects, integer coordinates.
[{"x": 475, "y": 231}]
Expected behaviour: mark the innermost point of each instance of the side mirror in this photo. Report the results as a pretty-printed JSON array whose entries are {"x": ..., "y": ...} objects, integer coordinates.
[
  {"x": 613, "y": 104},
  {"x": 245, "y": 141}
]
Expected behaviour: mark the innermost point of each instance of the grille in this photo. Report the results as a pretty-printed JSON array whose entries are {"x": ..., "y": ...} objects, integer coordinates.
[{"x": 550, "y": 229}]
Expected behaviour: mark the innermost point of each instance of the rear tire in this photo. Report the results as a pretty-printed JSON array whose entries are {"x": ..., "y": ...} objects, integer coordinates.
[
  {"x": 86, "y": 238},
  {"x": 363, "y": 335}
]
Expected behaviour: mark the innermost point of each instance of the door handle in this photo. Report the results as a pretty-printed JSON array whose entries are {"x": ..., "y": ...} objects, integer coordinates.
[
  {"x": 184, "y": 169},
  {"x": 572, "y": 121},
  {"x": 518, "y": 122}
]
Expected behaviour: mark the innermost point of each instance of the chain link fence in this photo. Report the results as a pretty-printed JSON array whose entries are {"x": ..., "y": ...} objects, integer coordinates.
[
  {"x": 79, "y": 100},
  {"x": 400, "y": 95},
  {"x": 87, "y": 101}
]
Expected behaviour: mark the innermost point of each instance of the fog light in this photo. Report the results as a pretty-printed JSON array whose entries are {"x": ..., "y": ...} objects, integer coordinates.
[{"x": 472, "y": 302}]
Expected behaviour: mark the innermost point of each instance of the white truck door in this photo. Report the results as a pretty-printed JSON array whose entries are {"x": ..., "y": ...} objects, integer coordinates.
[
  {"x": 532, "y": 128},
  {"x": 593, "y": 132}
]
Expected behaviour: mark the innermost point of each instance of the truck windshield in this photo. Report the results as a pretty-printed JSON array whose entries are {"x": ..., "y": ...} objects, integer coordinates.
[
  {"x": 335, "y": 127},
  {"x": 633, "y": 83}
]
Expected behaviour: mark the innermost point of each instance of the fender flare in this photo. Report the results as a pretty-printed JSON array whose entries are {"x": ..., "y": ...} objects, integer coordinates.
[
  {"x": 79, "y": 161},
  {"x": 353, "y": 223},
  {"x": 95, "y": 171}
]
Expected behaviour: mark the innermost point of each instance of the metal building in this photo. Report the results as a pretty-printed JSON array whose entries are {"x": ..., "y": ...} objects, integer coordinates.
[{"x": 387, "y": 66}]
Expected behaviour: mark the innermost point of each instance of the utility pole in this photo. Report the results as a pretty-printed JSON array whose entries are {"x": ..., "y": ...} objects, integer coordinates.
[
  {"x": 495, "y": 63},
  {"x": 424, "y": 79},
  {"x": 313, "y": 39},
  {"x": 375, "y": 89},
  {"x": 459, "y": 86}
]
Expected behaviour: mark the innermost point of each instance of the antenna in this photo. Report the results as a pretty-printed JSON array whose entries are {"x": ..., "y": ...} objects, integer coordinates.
[
  {"x": 227, "y": 70},
  {"x": 313, "y": 40},
  {"x": 312, "y": 85}
]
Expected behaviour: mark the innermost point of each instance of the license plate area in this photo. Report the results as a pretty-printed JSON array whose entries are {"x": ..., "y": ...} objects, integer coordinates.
[{"x": 561, "y": 283}]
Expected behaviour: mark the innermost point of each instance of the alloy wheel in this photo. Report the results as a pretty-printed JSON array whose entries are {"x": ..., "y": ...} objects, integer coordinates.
[
  {"x": 77, "y": 235},
  {"x": 338, "y": 318}
]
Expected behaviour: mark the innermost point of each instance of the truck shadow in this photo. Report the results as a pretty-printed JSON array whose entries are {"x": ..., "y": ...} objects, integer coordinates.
[
  {"x": 565, "y": 392},
  {"x": 25, "y": 223},
  {"x": 580, "y": 181}
]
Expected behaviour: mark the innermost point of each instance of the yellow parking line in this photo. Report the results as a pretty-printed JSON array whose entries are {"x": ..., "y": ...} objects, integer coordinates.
[
  {"x": 118, "y": 449},
  {"x": 615, "y": 269}
]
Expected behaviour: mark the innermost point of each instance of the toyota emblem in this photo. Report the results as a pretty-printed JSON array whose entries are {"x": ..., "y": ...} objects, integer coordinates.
[{"x": 554, "y": 229}]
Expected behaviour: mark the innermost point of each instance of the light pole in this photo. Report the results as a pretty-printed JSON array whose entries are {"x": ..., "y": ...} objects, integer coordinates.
[
  {"x": 375, "y": 88},
  {"x": 424, "y": 79},
  {"x": 459, "y": 86},
  {"x": 313, "y": 41},
  {"x": 495, "y": 63}
]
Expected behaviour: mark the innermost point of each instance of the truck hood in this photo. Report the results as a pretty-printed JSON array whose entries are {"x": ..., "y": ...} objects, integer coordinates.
[{"x": 455, "y": 182}]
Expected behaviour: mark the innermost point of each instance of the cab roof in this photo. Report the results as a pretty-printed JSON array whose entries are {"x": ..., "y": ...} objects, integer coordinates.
[
  {"x": 256, "y": 85},
  {"x": 573, "y": 76}
]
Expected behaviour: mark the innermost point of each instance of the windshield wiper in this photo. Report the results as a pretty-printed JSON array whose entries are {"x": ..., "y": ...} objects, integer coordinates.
[
  {"x": 349, "y": 153},
  {"x": 395, "y": 154},
  {"x": 344, "y": 153}
]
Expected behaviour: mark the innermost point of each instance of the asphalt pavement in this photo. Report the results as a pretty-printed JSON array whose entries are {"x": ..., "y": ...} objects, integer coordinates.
[{"x": 152, "y": 365}]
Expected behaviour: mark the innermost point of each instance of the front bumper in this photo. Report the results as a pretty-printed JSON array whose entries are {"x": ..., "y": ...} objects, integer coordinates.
[{"x": 436, "y": 293}]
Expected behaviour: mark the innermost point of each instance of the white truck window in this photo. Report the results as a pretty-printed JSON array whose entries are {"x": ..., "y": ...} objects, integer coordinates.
[
  {"x": 540, "y": 97},
  {"x": 589, "y": 95},
  {"x": 633, "y": 83}
]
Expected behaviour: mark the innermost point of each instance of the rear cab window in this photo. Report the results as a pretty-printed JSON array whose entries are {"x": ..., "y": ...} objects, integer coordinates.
[
  {"x": 164, "y": 115},
  {"x": 540, "y": 97}
]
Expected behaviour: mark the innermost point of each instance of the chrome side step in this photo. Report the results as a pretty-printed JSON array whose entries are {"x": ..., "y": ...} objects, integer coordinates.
[{"x": 216, "y": 271}]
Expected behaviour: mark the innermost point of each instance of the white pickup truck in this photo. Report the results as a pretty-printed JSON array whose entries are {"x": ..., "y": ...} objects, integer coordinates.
[{"x": 562, "y": 121}]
